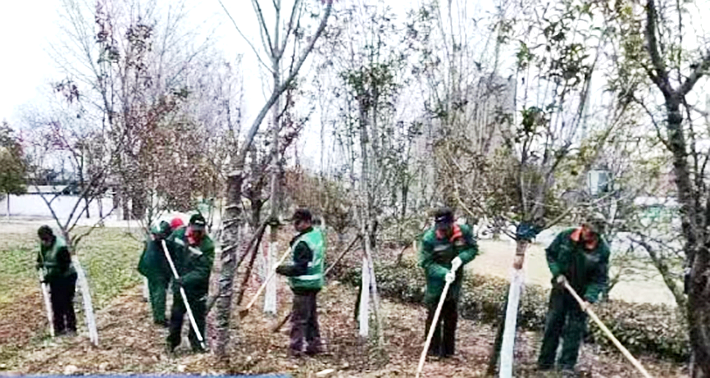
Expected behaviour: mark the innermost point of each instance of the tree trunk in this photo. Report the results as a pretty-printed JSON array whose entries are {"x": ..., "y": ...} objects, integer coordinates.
[
  {"x": 233, "y": 208},
  {"x": 87, "y": 201},
  {"x": 698, "y": 311},
  {"x": 125, "y": 204},
  {"x": 270, "y": 300},
  {"x": 139, "y": 205},
  {"x": 101, "y": 210},
  {"x": 363, "y": 303},
  {"x": 502, "y": 333},
  {"x": 375, "y": 297},
  {"x": 667, "y": 277},
  {"x": 229, "y": 258},
  {"x": 403, "y": 214},
  {"x": 699, "y": 316}
]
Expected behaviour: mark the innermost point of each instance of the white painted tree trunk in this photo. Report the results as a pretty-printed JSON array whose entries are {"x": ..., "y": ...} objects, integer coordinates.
[
  {"x": 511, "y": 314},
  {"x": 86, "y": 297},
  {"x": 364, "y": 314},
  {"x": 47, "y": 302},
  {"x": 146, "y": 289},
  {"x": 375, "y": 297},
  {"x": 261, "y": 263},
  {"x": 270, "y": 300}
]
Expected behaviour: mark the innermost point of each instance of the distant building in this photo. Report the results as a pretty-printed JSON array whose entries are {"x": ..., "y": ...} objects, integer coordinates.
[{"x": 493, "y": 110}]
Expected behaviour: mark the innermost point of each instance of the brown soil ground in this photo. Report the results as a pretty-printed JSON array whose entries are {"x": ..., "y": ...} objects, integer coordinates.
[{"x": 130, "y": 343}]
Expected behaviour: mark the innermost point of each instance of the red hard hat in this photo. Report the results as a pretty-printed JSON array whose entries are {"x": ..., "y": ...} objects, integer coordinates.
[{"x": 176, "y": 223}]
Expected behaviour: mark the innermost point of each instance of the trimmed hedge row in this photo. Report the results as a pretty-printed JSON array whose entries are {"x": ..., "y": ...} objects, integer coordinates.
[{"x": 642, "y": 328}]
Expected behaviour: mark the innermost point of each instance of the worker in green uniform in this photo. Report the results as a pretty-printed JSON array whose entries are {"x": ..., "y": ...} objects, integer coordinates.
[
  {"x": 578, "y": 256},
  {"x": 306, "y": 280},
  {"x": 155, "y": 268},
  {"x": 193, "y": 253},
  {"x": 60, "y": 275},
  {"x": 444, "y": 251}
]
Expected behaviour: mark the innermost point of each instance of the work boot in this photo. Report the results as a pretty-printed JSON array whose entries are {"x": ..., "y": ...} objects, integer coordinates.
[
  {"x": 295, "y": 353},
  {"x": 313, "y": 351},
  {"x": 171, "y": 345},
  {"x": 162, "y": 323},
  {"x": 569, "y": 373},
  {"x": 314, "y": 347}
]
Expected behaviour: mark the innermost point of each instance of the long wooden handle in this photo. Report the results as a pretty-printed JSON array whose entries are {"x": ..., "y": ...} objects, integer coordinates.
[
  {"x": 432, "y": 328},
  {"x": 47, "y": 302},
  {"x": 342, "y": 254},
  {"x": 190, "y": 316},
  {"x": 607, "y": 332},
  {"x": 263, "y": 285}
]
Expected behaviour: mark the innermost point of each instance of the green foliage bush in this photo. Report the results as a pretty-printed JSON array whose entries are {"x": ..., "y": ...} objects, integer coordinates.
[{"x": 642, "y": 328}]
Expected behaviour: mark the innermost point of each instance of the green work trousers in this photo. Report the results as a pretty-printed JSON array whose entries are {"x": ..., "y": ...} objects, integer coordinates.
[
  {"x": 566, "y": 319},
  {"x": 198, "y": 305},
  {"x": 157, "y": 287}
]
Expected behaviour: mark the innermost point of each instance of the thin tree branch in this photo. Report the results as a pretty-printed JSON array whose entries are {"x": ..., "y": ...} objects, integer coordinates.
[
  {"x": 264, "y": 30},
  {"x": 278, "y": 91},
  {"x": 256, "y": 52},
  {"x": 91, "y": 229},
  {"x": 653, "y": 120},
  {"x": 661, "y": 75},
  {"x": 700, "y": 69},
  {"x": 289, "y": 28}
]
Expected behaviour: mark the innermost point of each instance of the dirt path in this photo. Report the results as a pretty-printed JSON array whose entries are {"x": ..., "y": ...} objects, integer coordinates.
[{"x": 130, "y": 343}]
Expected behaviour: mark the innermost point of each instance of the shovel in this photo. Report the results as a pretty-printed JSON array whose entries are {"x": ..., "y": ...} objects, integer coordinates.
[
  {"x": 243, "y": 312},
  {"x": 432, "y": 328},
  {"x": 607, "y": 332},
  {"x": 184, "y": 297}
]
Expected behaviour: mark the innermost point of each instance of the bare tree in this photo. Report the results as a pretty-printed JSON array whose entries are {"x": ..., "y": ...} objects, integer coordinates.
[
  {"x": 655, "y": 44},
  {"x": 142, "y": 77},
  {"x": 235, "y": 179},
  {"x": 64, "y": 129}
]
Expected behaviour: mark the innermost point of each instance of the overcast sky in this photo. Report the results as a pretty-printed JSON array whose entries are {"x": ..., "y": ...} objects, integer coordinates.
[{"x": 27, "y": 28}]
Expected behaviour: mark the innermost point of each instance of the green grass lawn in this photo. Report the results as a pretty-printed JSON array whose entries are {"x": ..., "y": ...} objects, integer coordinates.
[
  {"x": 17, "y": 262},
  {"x": 109, "y": 257}
]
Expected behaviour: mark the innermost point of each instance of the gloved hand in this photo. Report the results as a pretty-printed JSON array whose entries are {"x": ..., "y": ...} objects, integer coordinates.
[
  {"x": 561, "y": 280},
  {"x": 178, "y": 281},
  {"x": 456, "y": 264},
  {"x": 450, "y": 277},
  {"x": 281, "y": 269}
]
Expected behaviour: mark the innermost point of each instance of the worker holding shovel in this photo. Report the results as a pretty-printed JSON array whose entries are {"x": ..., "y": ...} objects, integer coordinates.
[
  {"x": 193, "y": 253},
  {"x": 306, "y": 278},
  {"x": 58, "y": 272},
  {"x": 577, "y": 258},
  {"x": 444, "y": 251},
  {"x": 154, "y": 266}
]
